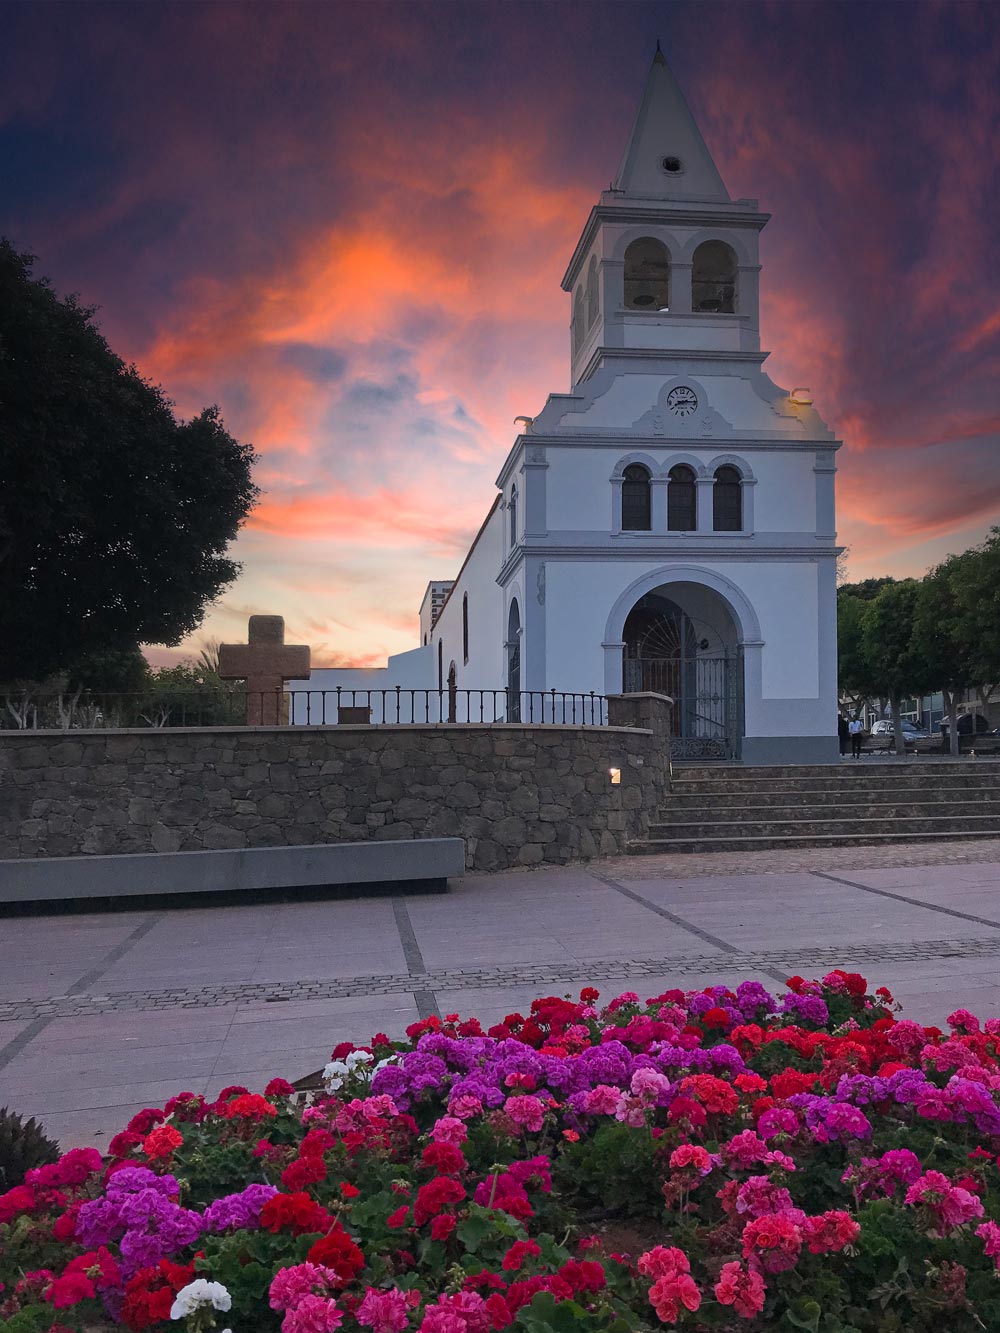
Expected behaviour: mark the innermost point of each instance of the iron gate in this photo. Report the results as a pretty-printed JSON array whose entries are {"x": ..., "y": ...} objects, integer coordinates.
[{"x": 708, "y": 700}]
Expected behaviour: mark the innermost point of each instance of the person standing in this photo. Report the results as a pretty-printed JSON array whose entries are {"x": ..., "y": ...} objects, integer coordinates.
[
  {"x": 843, "y": 732},
  {"x": 856, "y": 731}
]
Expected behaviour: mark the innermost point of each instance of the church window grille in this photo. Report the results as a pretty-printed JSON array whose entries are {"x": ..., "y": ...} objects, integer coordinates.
[
  {"x": 727, "y": 500},
  {"x": 713, "y": 279},
  {"x": 452, "y": 693},
  {"x": 681, "y": 499},
  {"x": 593, "y": 299},
  {"x": 578, "y": 319},
  {"x": 636, "y": 501},
  {"x": 647, "y": 275},
  {"x": 513, "y": 663},
  {"x": 512, "y": 506},
  {"x": 465, "y": 627}
]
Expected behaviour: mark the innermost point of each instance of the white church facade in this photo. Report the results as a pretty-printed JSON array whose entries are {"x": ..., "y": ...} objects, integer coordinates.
[{"x": 667, "y": 524}]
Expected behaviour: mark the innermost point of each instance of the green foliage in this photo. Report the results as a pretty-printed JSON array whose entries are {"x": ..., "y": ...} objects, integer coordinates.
[
  {"x": 114, "y": 517},
  {"x": 853, "y": 668},
  {"x": 23, "y": 1145},
  {"x": 888, "y": 645},
  {"x": 617, "y": 1168},
  {"x": 111, "y": 671},
  {"x": 32, "y": 1319},
  {"x": 547, "y": 1315}
]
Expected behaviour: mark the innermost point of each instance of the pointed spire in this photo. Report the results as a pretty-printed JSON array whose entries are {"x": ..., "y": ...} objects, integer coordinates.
[{"x": 666, "y": 156}]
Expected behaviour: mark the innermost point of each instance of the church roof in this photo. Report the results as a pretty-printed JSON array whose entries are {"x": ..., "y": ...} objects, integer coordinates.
[{"x": 666, "y": 157}]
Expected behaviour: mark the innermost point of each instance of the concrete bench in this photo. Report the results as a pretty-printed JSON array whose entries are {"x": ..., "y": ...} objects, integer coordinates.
[{"x": 426, "y": 862}]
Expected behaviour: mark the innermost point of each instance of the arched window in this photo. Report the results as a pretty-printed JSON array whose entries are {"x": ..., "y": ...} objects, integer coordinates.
[
  {"x": 593, "y": 299},
  {"x": 636, "y": 508},
  {"x": 647, "y": 275},
  {"x": 440, "y": 664},
  {"x": 452, "y": 693},
  {"x": 579, "y": 328},
  {"x": 727, "y": 500},
  {"x": 465, "y": 627},
  {"x": 512, "y": 507},
  {"x": 514, "y": 664},
  {"x": 713, "y": 278},
  {"x": 681, "y": 501}
]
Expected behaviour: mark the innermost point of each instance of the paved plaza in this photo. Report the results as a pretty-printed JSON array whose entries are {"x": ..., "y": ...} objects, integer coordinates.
[{"x": 103, "y": 1013}]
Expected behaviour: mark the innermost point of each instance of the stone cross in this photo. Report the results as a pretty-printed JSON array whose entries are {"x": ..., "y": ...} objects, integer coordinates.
[{"x": 265, "y": 662}]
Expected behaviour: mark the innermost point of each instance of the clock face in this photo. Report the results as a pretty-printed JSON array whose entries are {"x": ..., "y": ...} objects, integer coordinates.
[{"x": 682, "y": 401}]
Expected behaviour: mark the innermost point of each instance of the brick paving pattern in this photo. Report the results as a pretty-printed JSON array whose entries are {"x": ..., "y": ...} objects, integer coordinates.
[
  {"x": 531, "y": 974},
  {"x": 102, "y": 1013}
]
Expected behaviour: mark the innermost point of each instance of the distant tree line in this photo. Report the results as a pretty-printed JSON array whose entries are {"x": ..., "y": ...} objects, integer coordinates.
[{"x": 900, "y": 638}]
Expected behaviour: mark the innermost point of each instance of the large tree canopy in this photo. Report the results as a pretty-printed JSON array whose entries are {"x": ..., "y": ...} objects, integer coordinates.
[{"x": 114, "y": 516}]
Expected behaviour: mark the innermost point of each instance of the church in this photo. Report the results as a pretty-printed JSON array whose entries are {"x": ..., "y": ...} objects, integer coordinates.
[{"x": 668, "y": 524}]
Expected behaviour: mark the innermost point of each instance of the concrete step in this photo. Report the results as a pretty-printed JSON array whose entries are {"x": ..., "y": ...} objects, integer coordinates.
[
  {"x": 806, "y": 805},
  {"x": 724, "y": 826},
  {"x": 846, "y": 768},
  {"x": 654, "y": 846},
  {"x": 826, "y": 789}
]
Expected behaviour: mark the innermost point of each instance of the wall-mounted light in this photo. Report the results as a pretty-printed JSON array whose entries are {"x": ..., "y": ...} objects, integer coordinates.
[
  {"x": 616, "y": 776},
  {"x": 801, "y": 397}
]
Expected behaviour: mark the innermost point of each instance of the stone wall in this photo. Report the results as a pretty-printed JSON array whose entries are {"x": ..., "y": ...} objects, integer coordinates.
[{"x": 519, "y": 795}]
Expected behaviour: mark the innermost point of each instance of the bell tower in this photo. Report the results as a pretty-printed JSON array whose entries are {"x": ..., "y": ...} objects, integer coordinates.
[{"x": 667, "y": 263}]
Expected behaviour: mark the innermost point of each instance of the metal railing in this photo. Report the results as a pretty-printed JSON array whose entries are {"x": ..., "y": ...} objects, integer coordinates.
[
  {"x": 304, "y": 708},
  {"x": 400, "y": 707}
]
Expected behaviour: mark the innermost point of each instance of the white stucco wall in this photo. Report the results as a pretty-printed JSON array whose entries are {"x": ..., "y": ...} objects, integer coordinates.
[
  {"x": 485, "y": 667},
  {"x": 786, "y": 694},
  {"x": 314, "y": 701}
]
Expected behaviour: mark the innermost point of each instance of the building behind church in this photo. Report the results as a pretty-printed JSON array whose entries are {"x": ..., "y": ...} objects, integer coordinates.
[{"x": 668, "y": 524}]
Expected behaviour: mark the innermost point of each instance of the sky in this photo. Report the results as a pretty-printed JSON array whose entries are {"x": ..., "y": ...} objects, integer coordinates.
[{"x": 346, "y": 224}]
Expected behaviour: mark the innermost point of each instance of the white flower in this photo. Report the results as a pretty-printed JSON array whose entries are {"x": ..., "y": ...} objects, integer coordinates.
[
  {"x": 356, "y": 1058},
  {"x": 384, "y": 1064},
  {"x": 198, "y": 1293},
  {"x": 334, "y": 1075}
]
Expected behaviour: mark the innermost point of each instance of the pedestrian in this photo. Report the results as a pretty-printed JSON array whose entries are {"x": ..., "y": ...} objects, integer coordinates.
[
  {"x": 856, "y": 731},
  {"x": 843, "y": 732}
]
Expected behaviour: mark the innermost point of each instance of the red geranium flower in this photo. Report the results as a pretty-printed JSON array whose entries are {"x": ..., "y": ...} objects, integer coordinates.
[
  {"x": 715, "y": 1018},
  {"x": 162, "y": 1142},
  {"x": 433, "y": 1197},
  {"x": 338, "y": 1251},
  {"x": 298, "y": 1212}
]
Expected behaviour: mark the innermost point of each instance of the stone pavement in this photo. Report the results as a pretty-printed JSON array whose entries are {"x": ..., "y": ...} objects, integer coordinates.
[{"x": 102, "y": 1013}]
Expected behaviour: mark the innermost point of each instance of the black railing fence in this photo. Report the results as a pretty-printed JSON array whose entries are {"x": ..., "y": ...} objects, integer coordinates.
[{"x": 305, "y": 708}]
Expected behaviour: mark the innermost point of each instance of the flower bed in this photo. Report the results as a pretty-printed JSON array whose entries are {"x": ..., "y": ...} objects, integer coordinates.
[{"x": 716, "y": 1160}]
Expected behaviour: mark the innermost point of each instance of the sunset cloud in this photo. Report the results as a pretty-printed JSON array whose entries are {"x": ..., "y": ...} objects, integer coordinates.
[{"x": 347, "y": 226}]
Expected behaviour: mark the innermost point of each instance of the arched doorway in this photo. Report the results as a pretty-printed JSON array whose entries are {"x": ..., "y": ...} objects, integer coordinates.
[
  {"x": 513, "y": 648},
  {"x": 681, "y": 640}
]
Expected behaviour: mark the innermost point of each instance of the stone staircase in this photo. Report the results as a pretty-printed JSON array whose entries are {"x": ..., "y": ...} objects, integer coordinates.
[{"x": 730, "y": 808}]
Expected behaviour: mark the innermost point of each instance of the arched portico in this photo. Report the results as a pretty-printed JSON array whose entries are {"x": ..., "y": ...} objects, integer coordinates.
[{"x": 683, "y": 631}]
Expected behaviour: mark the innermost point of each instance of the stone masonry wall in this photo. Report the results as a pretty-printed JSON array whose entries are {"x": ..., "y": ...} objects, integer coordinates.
[{"x": 519, "y": 795}]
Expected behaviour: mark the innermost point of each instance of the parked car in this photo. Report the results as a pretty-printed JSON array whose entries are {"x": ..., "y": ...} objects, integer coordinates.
[
  {"x": 911, "y": 732},
  {"x": 965, "y": 725}
]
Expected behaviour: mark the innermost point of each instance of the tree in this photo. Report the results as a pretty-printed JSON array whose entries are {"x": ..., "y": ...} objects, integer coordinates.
[
  {"x": 977, "y": 593},
  {"x": 892, "y": 652},
  {"x": 943, "y": 633},
  {"x": 114, "y": 516},
  {"x": 854, "y": 673}
]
